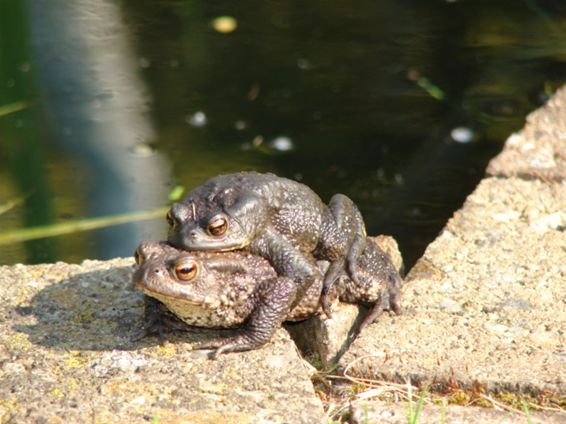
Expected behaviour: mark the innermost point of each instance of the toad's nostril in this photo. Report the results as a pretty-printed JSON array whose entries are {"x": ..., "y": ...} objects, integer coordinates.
[
  {"x": 138, "y": 257},
  {"x": 171, "y": 219}
]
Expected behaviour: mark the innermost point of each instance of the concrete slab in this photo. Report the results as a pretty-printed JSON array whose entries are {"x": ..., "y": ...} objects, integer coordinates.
[
  {"x": 66, "y": 356},
  {"x": 485, "y": 307}
]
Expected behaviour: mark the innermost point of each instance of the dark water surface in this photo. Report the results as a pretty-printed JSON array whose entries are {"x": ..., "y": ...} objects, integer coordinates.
[{"x": 398, "y": 104}]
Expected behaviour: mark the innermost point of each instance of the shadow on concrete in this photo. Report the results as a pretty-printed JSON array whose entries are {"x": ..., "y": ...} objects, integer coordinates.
[{"x": 97, "y": 310}]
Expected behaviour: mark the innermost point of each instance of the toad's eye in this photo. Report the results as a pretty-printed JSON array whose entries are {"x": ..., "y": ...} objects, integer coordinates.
[
  {"x": 186, "y": 271},
  {"x": 170, "y": 219},
  {"x": 217, "y": 226}
]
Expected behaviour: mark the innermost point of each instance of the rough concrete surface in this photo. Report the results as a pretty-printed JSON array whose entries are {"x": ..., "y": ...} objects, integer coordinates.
[
  {"x": 363, "y": 412},
  {"x": 66, "y": 356},
  {"x": 539, "y": 150},
  {"x": 486, "y": 304}
]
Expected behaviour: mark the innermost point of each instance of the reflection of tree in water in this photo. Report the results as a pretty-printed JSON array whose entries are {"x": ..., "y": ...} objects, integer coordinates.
[{"x": 95, "y": 109}]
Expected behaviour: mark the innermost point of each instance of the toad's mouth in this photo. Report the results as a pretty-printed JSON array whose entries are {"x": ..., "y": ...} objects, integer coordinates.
[
  {"x": 218, "y": 245},
  {"x": 169, "y": 296}
]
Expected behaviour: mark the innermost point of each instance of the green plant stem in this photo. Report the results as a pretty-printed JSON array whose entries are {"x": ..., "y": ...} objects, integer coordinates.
[{"x": 16, "y": 236}]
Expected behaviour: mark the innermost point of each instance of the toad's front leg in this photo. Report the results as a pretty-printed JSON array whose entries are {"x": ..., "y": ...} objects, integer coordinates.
[
  {"x": 288, "y": 261},
  {"x": 271, "y": 303}
]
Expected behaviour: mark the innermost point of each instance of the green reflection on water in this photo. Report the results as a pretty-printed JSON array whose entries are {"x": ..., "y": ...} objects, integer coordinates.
[{"x": 23, "y": 148}]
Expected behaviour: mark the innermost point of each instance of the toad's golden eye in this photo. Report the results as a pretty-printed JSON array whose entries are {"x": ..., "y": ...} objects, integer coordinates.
[
  {"x": 170, "y": 219},
  {"x": 186, "y": 271},
  {"x": 217, "y": 226}
]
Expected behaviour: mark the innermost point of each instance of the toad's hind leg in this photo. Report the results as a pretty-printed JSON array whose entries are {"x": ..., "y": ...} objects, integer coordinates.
[
  {"x": 343, "y": 241},
  {"x": 389, "y": 300}
]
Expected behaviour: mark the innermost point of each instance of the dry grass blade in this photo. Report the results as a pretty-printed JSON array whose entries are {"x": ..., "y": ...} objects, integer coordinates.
[
  {"x": 536, "y": 407},
  {"x": 334, "y": 410},
  {"x": 380, "y": 387},
  {"x": 502, "y": 406}
]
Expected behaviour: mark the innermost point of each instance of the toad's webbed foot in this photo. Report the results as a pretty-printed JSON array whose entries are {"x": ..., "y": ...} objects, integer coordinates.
[
  {"x": 273, "y": 300},
  {"x": 241, "y": 342},
  {"x": 343, "y": 241}
]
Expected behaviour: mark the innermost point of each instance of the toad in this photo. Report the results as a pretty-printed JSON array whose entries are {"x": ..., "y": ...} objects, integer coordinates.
[{"x": 276, "y": 218}]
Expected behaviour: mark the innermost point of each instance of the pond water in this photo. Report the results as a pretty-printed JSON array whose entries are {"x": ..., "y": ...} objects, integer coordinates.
[{"x": 107, "y": 106}]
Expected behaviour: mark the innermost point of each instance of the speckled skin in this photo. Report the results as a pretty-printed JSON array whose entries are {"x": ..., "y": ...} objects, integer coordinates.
[
  {"x": 276, "y": 218},
  {"x": 238, "y": 289}
]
